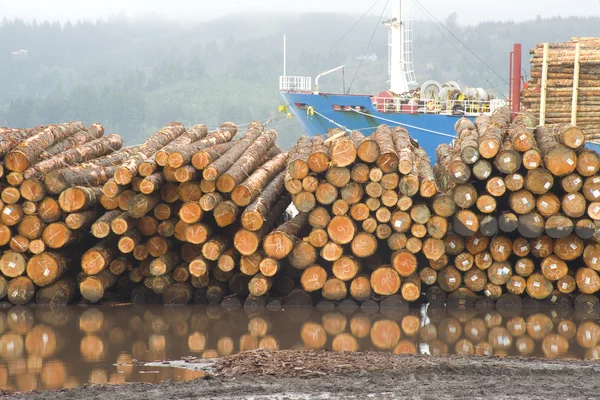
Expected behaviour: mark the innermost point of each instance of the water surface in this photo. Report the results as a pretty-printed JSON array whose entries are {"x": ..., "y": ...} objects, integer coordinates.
[{"x": 51, "y": 348}]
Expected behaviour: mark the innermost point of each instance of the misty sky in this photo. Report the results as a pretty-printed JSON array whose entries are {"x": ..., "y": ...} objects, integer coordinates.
[{"x": 469, "y": 11}]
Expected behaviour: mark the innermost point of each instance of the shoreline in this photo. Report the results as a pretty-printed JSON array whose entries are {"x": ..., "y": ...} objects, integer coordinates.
[{"x": 296, "y": 374}]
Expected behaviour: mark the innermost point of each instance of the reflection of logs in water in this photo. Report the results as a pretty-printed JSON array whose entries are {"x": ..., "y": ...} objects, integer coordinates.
[{"x": 48, "y": 348}]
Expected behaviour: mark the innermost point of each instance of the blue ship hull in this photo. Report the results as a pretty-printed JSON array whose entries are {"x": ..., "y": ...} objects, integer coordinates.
[{"x": 429, "y": 130}]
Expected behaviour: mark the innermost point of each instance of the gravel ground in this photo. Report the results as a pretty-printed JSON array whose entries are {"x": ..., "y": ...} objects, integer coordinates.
[{"x": 292, "y": 374}]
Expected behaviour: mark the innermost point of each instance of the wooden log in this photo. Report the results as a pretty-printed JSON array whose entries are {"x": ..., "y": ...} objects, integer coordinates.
[
  {"x": 60, "y": 293},
  {"x": 443, "y": 205},
  {"x": 93, "y": 287},
  {"x": 255, "y": 215},
  {"x": 514, "y": 182},
  {"x": 573, "y": 205},
  {"x": 58, "y": 235},
  {"x": 142, "y": 204},
  {"x": 522, "y": 202},
  {"x": 427, "y": 183},
  {"x": 198, "y": 233},
  {"x": 341, "y": 229},
  {"x": 334, "y": 289},
  {"x": 165, "y": 263},
  {"x": 465, "y": 223},
  {"x": 522, "y": 137},
  {"x": 204, "y": 157},
  {"x": 129, "y": 241},
  {"x": 569, "y": 247},
  {"x": 469, "y": 140},
  {"x": 260, "y": 151},
  {"x": 449, "y": 279},
  {"x": 28, "y": 151},
  {"x": 548, "y": 204},
  {"x": 280, "y": 242},
  {"x": 530, "y": 225},
  {"x": 99, "y": 257},
  {"x": 11, "y": 138},
  {"x": 482, "y": 169},
  {"x": 360, "y": 173},
  {"x": 388, "y": 158},
  {"x": 44, "y": 269},
  {"x": 19, "y": 243},
  {"x": 247, "y": 241},
  {"x": 80, "y": 154},
  {"x": 318, "y": 160},
  {"x": 183, "y": 155},
  {"x": 79, "y": 220},
  {"x": 304, "y": 201},
  {"x": 13, "y": 264},
  {"x": 195, "y": 133},
  {"x": 404, "y": 149},
  {"x": 346, "y": 268},
  {"x": 559, "y": 159},
  {"x": 360, "y": 288},
  {"x": 31, "y": 227},
  {"x": 342, "y": 151},
  {"x": 367, "y": 149},
  {"x": 20, "y": 290},
  {"x": 385, "y": 281},
  {"x": 129, "y": 169},
  {"x": 298, "y": 161},
  {"x": 490, "y": 140},
  {"x": 79, "y": 198},
  {"x": 331, "y": 251},
  {"x": 303, "y": 255},
  {"x": 588, "y": 162},
  {"x": 249, "y": 190},
  {"x": 464, "y": 195},
  {"x": 508, "y": 160}
]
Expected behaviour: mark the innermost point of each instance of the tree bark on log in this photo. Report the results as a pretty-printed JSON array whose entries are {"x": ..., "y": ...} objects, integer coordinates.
[
  {"x": 28, "y": 152},
  {"x": 280, "y": 242},
  {"x": 129, "y": 169},
  {"x": 255, "y": 155}
]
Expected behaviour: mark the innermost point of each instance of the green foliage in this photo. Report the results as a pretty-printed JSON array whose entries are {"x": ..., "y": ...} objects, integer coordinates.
[{"x": 136, "y": 76}]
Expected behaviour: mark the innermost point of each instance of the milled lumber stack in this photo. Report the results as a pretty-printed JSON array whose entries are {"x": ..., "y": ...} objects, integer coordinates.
[
  {"x": 571, "y": 71},
  {"x": 525, "y": 222},
  {"x": 366, "y": 220},
  {"x": 43, "y": 231}
]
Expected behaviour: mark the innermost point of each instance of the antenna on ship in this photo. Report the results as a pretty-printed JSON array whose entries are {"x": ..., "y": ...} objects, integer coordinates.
[{"x": 400, "y": 54}]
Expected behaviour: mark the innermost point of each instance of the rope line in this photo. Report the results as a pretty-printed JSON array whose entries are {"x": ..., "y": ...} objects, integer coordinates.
[
  {"x": 406, "y": 125},
  {"x": 460, "y": 41},
  {"x": 422, "y": 9},
  {"x": 368, "y": 45}
]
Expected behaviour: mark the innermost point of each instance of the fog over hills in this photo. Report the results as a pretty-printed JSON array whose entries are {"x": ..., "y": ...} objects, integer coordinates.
[{"x": 135, "y": 75}]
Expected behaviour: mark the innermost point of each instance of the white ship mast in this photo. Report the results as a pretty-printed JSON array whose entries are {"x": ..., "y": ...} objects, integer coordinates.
[{"x": 400, "y": 56}]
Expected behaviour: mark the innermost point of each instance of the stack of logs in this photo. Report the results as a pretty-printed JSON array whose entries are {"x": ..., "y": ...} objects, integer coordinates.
[
  {"x": 561, "y": 74},
  {"x": 365, "y": 222},
  {"x": 200, "y": 216},
  {"x": 172, "y": 215},
  {"x": 39, "y": 222},
  {"x": 527, "y": 206}
]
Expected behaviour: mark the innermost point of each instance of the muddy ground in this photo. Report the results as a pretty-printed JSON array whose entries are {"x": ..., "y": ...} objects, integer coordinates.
[{"x": 291, "y": 374}]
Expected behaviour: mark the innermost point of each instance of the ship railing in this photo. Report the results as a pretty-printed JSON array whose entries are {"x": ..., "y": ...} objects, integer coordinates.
[
  {"x": 442, "y": 107},
  {"x": 295, "y": 83}
]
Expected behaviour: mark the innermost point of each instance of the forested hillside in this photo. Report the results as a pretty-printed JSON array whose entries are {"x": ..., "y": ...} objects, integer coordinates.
[{"x": 136, "y": 76}]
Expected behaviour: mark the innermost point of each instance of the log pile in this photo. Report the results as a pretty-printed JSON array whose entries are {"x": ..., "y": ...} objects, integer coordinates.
[
  {"x": 367, "y": 218},
  {"x": 43, "y": 227},
  {"x": 187, "y": 218},
  {"x": 202, "y": 216},
  {"x": 526, "y": 219},
  {"x": 564, "y": 78}
]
